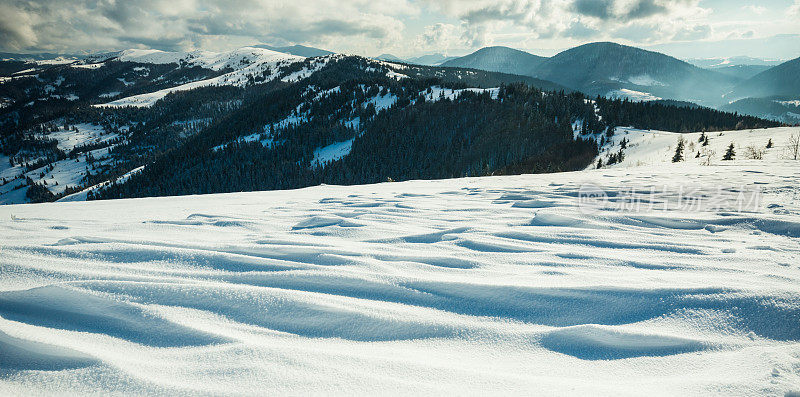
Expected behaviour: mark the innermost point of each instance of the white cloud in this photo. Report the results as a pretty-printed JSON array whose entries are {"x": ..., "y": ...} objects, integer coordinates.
[
  {"x": 440, "y": 35},
  {"x": 754, "y": 9}
]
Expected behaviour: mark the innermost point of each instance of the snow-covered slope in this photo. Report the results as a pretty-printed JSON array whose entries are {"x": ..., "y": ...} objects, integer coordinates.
[
  {"x": 247, "y": 63},
  {"x": 653, "y": 148},
  {"x": 549, "y": 283},
  {"x": 60, "y": 174},
  {"x": 235, "y": 59}
]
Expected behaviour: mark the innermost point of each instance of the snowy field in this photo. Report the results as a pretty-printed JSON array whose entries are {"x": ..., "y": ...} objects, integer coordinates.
[{"x": 674, "y": 279}]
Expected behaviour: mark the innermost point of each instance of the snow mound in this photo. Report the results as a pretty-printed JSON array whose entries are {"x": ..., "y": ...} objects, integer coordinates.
[
  {"x": 19, "y": 354},
  {"x": 594, "y": 342}
]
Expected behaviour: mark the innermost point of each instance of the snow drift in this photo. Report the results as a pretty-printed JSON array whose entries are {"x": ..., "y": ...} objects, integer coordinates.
[{"x": 498, "y": 284}]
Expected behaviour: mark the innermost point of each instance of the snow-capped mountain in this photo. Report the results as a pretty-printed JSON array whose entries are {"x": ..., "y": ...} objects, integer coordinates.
[
  {"x": 245, "y": 65},
  {"x": 81, "y": 125},
  {"x": 143, "y": 122},
  {"x": 299, "y": 50}
]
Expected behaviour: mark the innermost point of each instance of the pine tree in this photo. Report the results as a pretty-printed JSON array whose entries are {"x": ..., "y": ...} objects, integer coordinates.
[
  {"x": 730, "y": 154},
  {"x": 702, "y": 137},
  {"x": 769, "y": 144},
  {"x": 599, "y": 163},
  {"x": 678, "y": 157}
]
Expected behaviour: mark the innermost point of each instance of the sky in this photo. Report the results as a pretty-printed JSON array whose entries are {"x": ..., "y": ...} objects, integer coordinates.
[{"x": 683, "y": 28}]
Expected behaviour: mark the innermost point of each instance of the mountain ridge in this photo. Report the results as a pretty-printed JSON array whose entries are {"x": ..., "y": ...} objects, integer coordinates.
[{"x": 499, "y": 59}]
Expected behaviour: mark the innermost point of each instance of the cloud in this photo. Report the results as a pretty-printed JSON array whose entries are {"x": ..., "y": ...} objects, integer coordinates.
[
  {"x": 440, "y": 35},
  {"x": 639, "y": 32},
  {"x": 578, "y": 30},
  {"x": 16, "y": 28},
  {"x": 360, "y": 26},
  {"x": 698, "y": 32},
  {"x": 635, "y": 20},
  {"x": 754, "y": 9},
  {"x": 601, "y": 9},
  {"x": 629, "y": 10},
  {"x": 185, "y": 24}
]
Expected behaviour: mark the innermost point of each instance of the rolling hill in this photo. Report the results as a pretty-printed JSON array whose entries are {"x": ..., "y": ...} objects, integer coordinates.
[
  {"x": 499, "y": 59},
  {"x": 611, "y": 69},
  {"x": 779, "y": 80}
]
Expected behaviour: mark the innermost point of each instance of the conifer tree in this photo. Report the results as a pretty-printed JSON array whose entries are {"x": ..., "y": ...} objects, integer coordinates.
[
  {"x": 730, "y": 154},
  {"x": 678, "y": 157}
]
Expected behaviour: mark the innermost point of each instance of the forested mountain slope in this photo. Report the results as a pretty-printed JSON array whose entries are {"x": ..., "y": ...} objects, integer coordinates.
[{"x": 145, "y": 123}]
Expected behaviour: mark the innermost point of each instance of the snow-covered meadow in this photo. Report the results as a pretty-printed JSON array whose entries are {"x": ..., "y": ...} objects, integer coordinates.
[{"x": 657, "y": 279}]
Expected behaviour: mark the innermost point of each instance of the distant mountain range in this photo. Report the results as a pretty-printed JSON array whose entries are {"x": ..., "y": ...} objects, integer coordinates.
[
  {"x": 609, "y": 69},
  {"x": 425, "y": 60},
  {"x": 614, "y": 70},
  {"x": 783, "y": 80},
  {"x": 713, "y": 63},
  {"x": 742, "y": 67},
  {"x": 299, "y": 50},
  {"x": 389, "y": 58},
  {"x": 430, "y": 59},
  {"x": 773, "y": 93},
  {"x": 304, "y": 51}
]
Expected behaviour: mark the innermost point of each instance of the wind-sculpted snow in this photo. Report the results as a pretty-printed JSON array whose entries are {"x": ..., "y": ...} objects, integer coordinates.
[{"x": 514, "y": 285}]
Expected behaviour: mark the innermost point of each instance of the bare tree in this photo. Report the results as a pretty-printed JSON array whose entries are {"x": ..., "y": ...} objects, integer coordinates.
[
  {"x": 707, "y": 156},
  {"x": 794, "y": 146},
  {"x": 754, "y": 153}
]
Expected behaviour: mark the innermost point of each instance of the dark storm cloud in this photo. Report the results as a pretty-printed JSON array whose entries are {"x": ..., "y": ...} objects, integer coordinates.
[
  {"x": 594, "y": 8},
  {"x": 516, "y": 12},
  {"x": 612, "y": 9}
]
